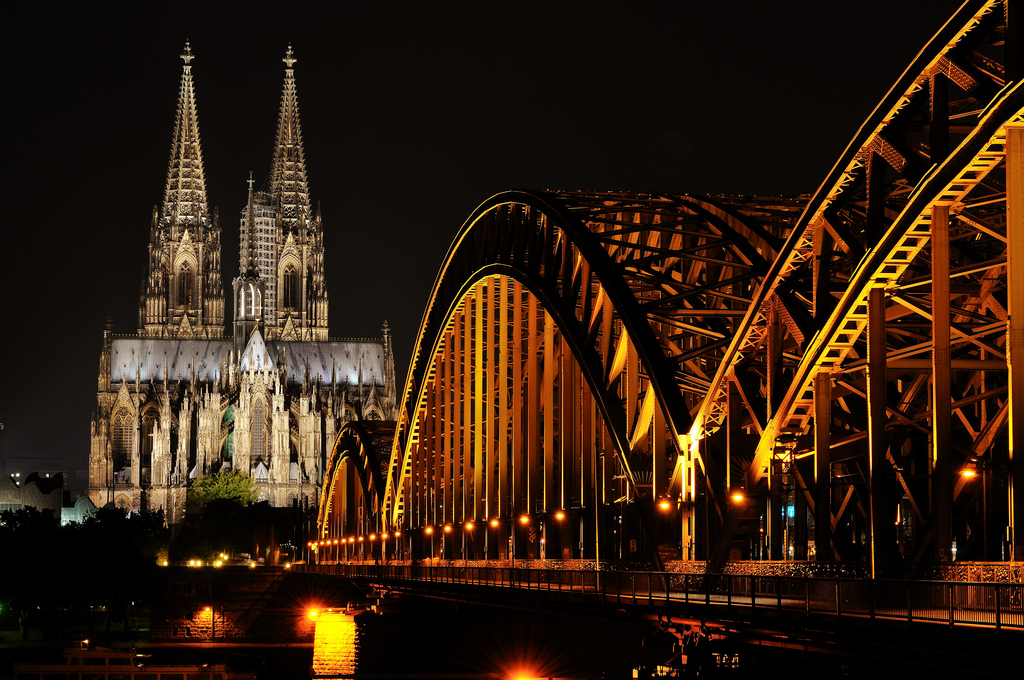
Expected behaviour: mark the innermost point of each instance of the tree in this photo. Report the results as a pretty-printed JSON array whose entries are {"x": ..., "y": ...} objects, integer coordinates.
[{"x": 231, "y": 486}]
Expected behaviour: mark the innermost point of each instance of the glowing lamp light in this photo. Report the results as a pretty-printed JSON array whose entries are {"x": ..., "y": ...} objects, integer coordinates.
[
  {"x": 664, "y": 504},
  {"x": 398, "y": 534},
  {"x": 312, "y": 613},
  {"x": 373, "y": 537},
  {"x": 524, "y": 519},
  {"x": 524, "y": 675},
  {"x": 494, "y": 522},
  {"x": 351, "y": 540},
  {"x": 469, "y": 526},
  {"x": 335, "y": 541},
  {"x": 738, "y": 496},
  {"x": 968, "y": 472},
  {"x": 447, "y": 528},
  {"x": 429, "y": 530},
  {"x": 287, "y": 565},
  {"x": 383, "y": 535},
  {"x": 559, "y": 515},
  {"x": 360, "y": 539},
  {"x": 207, "y": 609}
]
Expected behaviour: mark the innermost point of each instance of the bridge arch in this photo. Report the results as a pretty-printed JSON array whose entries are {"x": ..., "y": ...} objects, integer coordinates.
[
  {"x": 349, "y": 504},
  {"x": 565, "y": 345}
]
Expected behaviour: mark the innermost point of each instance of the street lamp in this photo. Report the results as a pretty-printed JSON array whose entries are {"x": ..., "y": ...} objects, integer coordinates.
[
  {"x": 468, "y": 526},
  {"x": 213, "y": 623}
]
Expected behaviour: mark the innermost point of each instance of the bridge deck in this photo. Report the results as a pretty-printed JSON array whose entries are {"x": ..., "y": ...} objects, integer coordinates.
[{"x": 987, "y": 605}]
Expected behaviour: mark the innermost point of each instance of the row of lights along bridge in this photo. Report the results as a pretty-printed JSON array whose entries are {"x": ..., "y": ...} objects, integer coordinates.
[{"x": 321, "y": 549}]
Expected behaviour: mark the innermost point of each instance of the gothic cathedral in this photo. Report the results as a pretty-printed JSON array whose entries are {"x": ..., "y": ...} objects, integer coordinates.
[{"x": 180, "y": 399}]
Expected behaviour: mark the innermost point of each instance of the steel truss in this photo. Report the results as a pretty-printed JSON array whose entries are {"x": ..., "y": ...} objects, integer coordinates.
[
  {"x": 881, "y": 340},
  {"x": 349, "y": 504},
  {"x": 842, "y": 357},
  {"x": 569, "y": 341}
]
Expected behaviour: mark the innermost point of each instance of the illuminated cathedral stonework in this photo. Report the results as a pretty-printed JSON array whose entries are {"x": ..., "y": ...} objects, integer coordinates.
[{"x": 181, "y": 399}]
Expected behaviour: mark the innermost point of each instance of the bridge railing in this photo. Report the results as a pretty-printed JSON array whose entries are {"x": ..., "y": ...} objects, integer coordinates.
[{"x": 998, "y": 605}]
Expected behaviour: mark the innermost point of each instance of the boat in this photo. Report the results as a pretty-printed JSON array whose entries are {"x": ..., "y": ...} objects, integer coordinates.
[{"x": 100, "y": 663}]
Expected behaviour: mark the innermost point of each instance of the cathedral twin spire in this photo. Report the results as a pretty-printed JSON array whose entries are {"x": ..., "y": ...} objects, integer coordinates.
[
  {"x": 185, "y": 195},
  {"x": 288, "y": 183},
  {"x": 281, "y": 244},
  {"x": 182, "y": 295},
  {"x": 282, "y": 256}
]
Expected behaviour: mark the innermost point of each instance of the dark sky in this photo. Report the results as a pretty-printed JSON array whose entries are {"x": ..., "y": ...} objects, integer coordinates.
[{"x": 412, "y": 115}]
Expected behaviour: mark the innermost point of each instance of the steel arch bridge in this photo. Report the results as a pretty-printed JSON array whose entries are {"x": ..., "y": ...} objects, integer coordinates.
[{"x": 650, "y": 377}]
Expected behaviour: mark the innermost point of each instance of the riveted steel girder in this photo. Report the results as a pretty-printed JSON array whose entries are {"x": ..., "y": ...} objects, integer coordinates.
[
  {"x": 631, "y": 299},
  {"x": 871, "y": 226}
]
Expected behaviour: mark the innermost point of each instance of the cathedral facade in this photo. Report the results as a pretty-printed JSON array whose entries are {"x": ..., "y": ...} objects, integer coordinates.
[{"x": 182, "y": 398}]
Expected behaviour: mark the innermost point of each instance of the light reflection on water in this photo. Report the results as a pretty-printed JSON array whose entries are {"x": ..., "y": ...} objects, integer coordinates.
[
  {"x": 335, "y": 644},
  {"x": 469, "y": 641},
  {"x": 476, "y": 642}
]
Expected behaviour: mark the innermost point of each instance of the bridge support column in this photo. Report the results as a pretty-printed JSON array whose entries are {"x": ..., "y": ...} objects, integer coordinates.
[
  {"x": 942, "y": 447},
  {"x": 1015, "y": 330},
  {"x": 800, "y": 515},
  {"x": 506, "y": 299},
  {"x": 822, "y": 467},
  {"x": 776, "y": 512},
  {"x": 877, "y": 445}
]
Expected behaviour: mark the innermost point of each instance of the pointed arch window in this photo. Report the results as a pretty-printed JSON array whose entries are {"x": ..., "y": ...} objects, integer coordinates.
[
  {"x": 149, "y": 418},
  {"x": 290, "y": 287},
  {"x": 259, "y": 430},
  {"x": 309, "y": 293},
  {"x": 185, "y": 285},
  {"x": 227, "y": 434},
  {"x": 121, "y": 438}
]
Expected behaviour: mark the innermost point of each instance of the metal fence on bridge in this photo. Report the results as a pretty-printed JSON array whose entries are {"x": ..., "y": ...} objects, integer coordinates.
[{"x": 994, "y": 605}]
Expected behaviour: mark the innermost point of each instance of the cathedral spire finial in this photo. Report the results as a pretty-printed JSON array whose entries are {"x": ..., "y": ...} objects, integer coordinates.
[
  {"x": 185, "y": 193},
  {"x": 186, "y": 298},
  {"x": 250, "y": 233},
  {"x": 288, "y": 185}
]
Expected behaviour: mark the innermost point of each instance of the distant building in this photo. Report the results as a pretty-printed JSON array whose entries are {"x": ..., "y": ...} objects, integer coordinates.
[
  {"x": 41, "y": 492},
  {"x": 81, "y": 510},
  {"x": 181, "y": 398}
]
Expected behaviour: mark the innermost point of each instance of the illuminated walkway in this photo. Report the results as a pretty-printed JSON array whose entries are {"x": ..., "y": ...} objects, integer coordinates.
[{"x": 994, "y": 605}]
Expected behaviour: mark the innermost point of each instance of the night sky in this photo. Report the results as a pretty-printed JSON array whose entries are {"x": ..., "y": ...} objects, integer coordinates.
[{"x": 412, "y": 115}]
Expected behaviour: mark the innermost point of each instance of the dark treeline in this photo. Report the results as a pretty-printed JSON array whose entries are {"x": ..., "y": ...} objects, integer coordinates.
[{"x": 97, "y": 572}]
